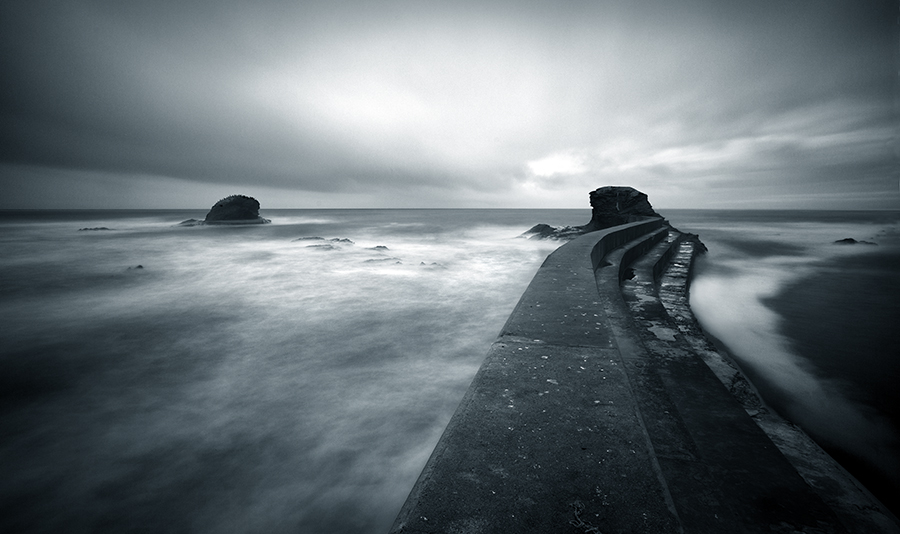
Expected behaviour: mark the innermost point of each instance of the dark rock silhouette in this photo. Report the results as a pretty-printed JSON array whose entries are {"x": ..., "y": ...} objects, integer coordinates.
[
  {"x": 342, "y": 240},
  {"x": 610, "y": 206},
  {"x": 545, "y": 231},
  {"x": 540, "y": 231},
  {"x": 615, "y": 205},
  {"x": 235, "y": 209},
  {"x": 851, "y": 241}
]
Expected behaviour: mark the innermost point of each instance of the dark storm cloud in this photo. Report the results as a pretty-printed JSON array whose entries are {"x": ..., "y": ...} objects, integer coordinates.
[
  {"x": 352, "y": 96},
  {"x": 137, "y": 89}
]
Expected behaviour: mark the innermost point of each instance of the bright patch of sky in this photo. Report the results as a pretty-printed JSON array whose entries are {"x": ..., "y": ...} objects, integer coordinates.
[{"x": 561, "y": 163}]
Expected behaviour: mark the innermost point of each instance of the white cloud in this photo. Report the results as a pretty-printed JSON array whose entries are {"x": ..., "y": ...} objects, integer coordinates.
[{"x": 560, "y": 163}]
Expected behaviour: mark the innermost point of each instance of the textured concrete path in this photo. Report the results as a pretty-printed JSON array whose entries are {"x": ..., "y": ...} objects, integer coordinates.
[{"x": 592, "y": 413}]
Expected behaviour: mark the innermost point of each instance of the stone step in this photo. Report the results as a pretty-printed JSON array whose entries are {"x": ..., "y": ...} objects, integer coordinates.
[
  {"x": 594, "y": 412},
  {"x": 721, "y": 471},
  {"x": 858, "y": 511}
]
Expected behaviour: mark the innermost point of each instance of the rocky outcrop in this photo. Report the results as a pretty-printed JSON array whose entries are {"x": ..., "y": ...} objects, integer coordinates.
[
  {"x": 610, "y": 206},
  {"x": 236, "y": 209},
  {"x": 615, "y": 205},
  {"x": 545, "y": 231}
]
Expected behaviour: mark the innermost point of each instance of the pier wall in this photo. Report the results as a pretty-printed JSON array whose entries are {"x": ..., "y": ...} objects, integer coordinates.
[
  {"x": 610, "y": 239},
  {"x": 601, "y": 408}
]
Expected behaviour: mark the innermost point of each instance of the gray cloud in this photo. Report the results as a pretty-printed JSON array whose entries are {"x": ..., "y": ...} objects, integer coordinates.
[{"x": 351, "y": 97}]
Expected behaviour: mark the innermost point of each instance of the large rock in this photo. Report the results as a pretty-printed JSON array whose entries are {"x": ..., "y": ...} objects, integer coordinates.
[
  {"x": 611, "y": 206},
  {"x": 615, "y": 205},
  {"x": 236, "y": 209}
]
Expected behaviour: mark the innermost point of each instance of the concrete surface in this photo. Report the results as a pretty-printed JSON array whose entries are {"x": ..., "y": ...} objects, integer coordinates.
[{"x": 593, "y": 412}]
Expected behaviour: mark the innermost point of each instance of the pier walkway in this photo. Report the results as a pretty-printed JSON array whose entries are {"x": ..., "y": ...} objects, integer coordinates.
[{"x": 601, "y": 408}]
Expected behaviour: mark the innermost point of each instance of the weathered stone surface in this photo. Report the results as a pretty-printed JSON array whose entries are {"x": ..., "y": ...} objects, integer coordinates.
[
  {"x": 235, "y": 209},
  {"x": 615, "y": 205},
  {"x": 603, "y": 408},
  {"x": 588, "y": 416}
]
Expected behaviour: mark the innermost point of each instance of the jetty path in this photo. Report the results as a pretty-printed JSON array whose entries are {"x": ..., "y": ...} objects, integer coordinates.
[{"x": 602, "y": 408}]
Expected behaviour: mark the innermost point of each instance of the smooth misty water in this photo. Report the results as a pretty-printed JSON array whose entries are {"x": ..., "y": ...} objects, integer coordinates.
[
  {"x": 242, "y": 380},
  {"x": 813, "y": 323}
]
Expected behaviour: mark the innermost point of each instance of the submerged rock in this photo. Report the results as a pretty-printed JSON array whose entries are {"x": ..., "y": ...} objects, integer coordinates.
[
  {"x": 544, "y": 231},
  {"x": 343, "y": 240},
  {"x": 235, "y": 209},
  {"x": 851, "y": 241}
]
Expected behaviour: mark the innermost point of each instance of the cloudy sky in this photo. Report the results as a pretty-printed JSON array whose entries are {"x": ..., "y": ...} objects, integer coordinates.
[{"x": 699, "y": 103}]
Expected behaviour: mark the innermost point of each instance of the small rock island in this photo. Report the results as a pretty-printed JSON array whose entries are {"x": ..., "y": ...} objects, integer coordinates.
[{"x": 234, "y": 209}]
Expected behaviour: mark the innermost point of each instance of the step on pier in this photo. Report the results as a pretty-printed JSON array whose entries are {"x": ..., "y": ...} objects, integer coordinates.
[{"x": 596, "y": 411}]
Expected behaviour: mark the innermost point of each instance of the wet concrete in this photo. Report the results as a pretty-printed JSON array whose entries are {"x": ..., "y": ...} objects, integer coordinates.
[{"x": 594, "y": 412}]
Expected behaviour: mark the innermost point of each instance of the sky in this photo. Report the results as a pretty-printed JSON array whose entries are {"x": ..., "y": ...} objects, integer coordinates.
[{"x": 496, "y": 104}]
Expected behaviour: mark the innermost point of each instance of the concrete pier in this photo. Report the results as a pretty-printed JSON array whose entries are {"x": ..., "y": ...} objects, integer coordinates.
[{"x": 602, "y": 408}]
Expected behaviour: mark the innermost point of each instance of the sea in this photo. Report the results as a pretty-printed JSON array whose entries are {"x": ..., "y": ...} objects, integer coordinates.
[{"x": 295, "y": 376}]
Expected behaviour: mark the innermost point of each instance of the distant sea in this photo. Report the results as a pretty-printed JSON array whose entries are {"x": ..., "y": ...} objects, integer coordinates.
[{"x": 295, "y": 377}]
